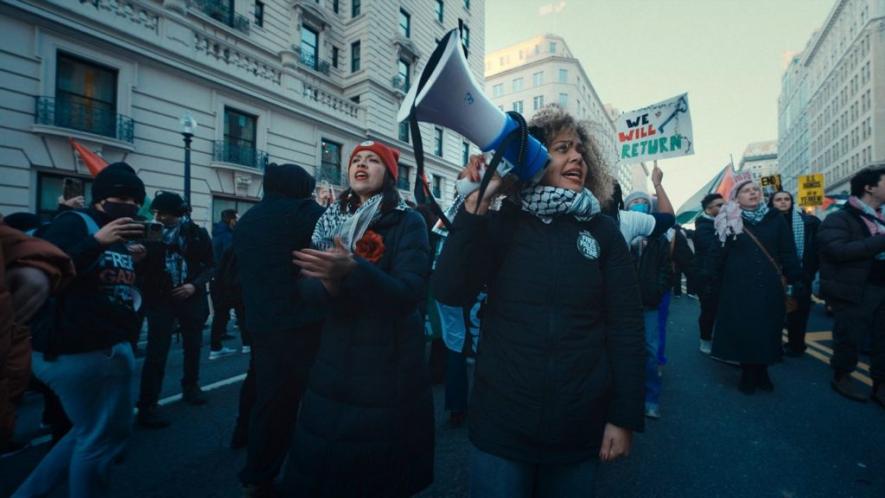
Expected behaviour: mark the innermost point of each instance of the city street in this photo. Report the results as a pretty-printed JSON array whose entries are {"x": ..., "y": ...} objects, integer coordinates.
[{"x": 803, "y": 440}]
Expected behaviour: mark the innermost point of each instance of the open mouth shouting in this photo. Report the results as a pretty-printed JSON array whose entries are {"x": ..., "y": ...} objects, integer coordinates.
[{"x": 573, "y": 173}]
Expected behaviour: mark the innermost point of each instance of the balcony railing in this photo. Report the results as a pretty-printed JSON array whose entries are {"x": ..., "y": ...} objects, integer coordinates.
[
  {"x": 330, "y": 173},
  {"x": 311, "y": 61},
  {"x": 240, "y": 153},
  {"x": 400, "y": 83},
  {"x": 84, "y": 114},
  {"x": 222, "y": 10}
]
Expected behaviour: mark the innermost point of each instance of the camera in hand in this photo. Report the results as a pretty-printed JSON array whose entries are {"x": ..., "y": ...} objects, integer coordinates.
[{"x": 153, "y": 231}]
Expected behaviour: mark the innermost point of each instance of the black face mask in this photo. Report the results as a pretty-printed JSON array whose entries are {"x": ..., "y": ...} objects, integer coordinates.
[{"x": 116, "y": 210}]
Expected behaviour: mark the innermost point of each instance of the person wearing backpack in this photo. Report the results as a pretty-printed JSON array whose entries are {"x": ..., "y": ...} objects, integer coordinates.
[
  {"x": 89, "y": 362},
  {"x": 177, "y": 270}
]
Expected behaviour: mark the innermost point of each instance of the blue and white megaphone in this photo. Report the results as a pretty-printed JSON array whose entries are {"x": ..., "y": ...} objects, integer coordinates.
[{"x": 448, "y": 95}]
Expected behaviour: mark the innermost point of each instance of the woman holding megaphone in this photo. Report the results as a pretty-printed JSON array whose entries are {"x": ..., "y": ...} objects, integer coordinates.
[{"x": 559, "y": 370}]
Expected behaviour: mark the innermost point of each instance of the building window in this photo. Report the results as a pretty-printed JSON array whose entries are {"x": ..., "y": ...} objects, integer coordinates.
[
  {"x": 402, "y": 178},
  {"x": 335, "y": 53},
  {"x": 259, "y": 14},
  {"x": 552, "y": 47},
  {"x": 465, "y": 153},
  {"x": 404, "y": 131},
  {"x": 403, "y": 80},
  {"x": 405, "y": 23},
  {"x": 354, "y": 8},
  {"x": 436, "y": 189},
  {"x": 465, "y": 36},
  {"x": 309, "y": 44},
  {"x": 563, "y": 75},
  {"x": 538, "y": 78},
  {"x": 517, "y": 106},
  {"x": 498, "y": 90},
  {"x": 239, "y": 146},
  {"x": 438, "y": 141},
  {"x": 563, "y": 100},
  {"x": 537, "y": 102},
  {"x": 467, "y": 4},
  {"x": 85, "y": 98},
  {"x": 330, "y": 162},
  {"x": 517, "y": 84},
  {"x": 51, "y": 187},
  {"x": 354, "y": 56},
  {"x": 440, "y": 10},
  {"x": 335, "y": 6}
]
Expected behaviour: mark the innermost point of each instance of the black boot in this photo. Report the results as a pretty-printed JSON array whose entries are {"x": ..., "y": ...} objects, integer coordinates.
[
  {"x": 763, "y": 381},
  {"x": 240, "y": 436},
  {"x": 747, "y": 384},
  {"x": 151, "y": 418},
  {"x": 878, "y": 393},
  {"x": 842, "y": 384}
]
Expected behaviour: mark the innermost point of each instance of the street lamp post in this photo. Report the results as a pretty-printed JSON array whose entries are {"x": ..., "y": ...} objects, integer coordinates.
[{"x": 188, "y": 126}]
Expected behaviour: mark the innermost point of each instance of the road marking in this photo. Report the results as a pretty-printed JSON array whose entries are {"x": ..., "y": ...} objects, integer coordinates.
[
  {"x": 37, "y": 441},
  {"x": 824, "y": 353}
]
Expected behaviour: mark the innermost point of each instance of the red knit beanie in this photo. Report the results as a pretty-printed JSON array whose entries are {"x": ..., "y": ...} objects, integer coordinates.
[{"x": 389, "y": 156}]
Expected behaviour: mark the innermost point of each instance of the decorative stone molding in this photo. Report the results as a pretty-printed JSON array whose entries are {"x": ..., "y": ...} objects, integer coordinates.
[
  {"x": 129, "y": 11},
  {"x": 179, "y": 6},
  {"x": 407, "y": 49},
  {"x": 313, "y": 93},
  {"x": 221, "y": 52}
]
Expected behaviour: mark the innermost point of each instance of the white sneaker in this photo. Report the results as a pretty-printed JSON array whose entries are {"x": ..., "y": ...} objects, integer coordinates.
[
  {"x": 652, "y": 411},
  {"x": 246, "y": 349},
  {"x": 224, "y": 351},
  {"x": 706, "y": 346}
]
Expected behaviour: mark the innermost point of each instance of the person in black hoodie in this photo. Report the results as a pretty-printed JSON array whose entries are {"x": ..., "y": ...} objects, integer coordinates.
[
  {"x": 704, "y": 239},
  {"x": 852, "y": 275},
  {"x": 804, "y": 229},
  {"x": 285, "y": 330},
  {"x": 559, "y": 370},
  {"x": 81, "y": 337},
  {"x": 177, "y": 270}
]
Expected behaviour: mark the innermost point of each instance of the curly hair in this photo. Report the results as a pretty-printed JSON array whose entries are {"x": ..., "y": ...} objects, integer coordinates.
[{"x": 552, "y": 120}]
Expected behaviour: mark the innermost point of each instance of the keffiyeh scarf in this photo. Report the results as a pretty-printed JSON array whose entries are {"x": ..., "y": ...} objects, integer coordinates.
[
  {"x": 798, "y": 232},
  {"x": 336, "y": 222},
  {"x": 730, "y": 220},
  {"x": 547, "y": 202}
]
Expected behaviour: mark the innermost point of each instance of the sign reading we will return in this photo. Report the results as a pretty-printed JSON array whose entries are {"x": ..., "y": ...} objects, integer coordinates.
[{"x": 658, "y": 131}]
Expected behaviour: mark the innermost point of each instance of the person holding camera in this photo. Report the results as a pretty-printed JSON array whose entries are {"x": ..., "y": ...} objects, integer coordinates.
[
  {"x": 81, "y": 337},
  {"x": 177, "y": 269}
]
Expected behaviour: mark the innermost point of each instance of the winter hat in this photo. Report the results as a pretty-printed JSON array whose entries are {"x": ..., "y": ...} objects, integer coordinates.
[
  {"x": 117, "y": 180},
  {"x": 168, "y": 202},
  {"x": 389, "y": 156},
  {"x": 288, "y": 180},
  {"x": 638, "y": 195}
]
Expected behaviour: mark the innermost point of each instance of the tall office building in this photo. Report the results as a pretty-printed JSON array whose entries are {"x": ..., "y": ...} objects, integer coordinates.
[{"x": 267, "y": 81}]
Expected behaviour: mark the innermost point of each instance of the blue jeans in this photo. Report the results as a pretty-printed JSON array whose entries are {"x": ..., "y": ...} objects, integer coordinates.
[
  {"x": 663, "y": 315},
  {"x": 496, "y": 477},
  {"x": 97, "y": 392},
  {"x": 652, "y": 338}
]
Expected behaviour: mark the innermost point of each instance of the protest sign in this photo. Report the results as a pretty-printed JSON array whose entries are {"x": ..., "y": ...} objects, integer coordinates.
[
  {"x": 770, "y": 184},
  {"x": 658, "y": 131},
  {"x": 811, "y": 190}
]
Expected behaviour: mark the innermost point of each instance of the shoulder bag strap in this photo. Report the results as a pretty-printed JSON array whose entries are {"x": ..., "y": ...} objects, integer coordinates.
[{"x": 764, "y": 251}]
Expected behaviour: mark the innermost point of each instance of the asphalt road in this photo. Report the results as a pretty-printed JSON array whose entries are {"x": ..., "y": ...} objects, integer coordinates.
[{"x": 803, "y": 440}]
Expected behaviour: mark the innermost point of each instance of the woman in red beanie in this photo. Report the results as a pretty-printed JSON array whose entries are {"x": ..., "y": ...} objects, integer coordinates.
[{"x": 366, "y": 422}]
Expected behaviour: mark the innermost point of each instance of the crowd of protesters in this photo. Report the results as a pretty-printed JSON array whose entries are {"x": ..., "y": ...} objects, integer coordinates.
[{"x": 557, "y": 292}]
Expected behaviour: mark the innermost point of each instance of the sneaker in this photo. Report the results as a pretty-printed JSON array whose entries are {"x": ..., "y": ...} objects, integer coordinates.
[
  {"x": 151, "y": 418},
  {"x": 842, "y": 384},
  {"x": 193, "y": 395},
  {"x": 246, "y": 349},
  {"x": 652, "y": 411},
  {"x": 706, "y": 346},
  {"x": 214, "y": 354}
]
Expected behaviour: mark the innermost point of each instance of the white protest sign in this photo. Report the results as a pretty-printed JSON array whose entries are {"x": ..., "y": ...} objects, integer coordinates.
[{"x": 658, "y": 131}]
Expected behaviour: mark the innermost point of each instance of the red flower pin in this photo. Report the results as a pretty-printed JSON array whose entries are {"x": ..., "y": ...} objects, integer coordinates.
[{"x": 370, "y": 247}]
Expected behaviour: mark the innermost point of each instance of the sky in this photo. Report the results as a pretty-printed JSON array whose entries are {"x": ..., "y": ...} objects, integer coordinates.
[{"x": 729, "y": 55}]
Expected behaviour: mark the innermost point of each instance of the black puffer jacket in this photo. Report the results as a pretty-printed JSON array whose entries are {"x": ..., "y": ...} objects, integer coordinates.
[
  {"x": 562, "y": 349},
  {"x": 847, "y": 253},
  {"x": 654, "y": 267},
  {"x": 704, "y": 239},
  {"x": 366, "y": 422}
]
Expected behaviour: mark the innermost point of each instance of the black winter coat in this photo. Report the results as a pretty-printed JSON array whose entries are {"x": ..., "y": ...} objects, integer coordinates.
[
  {"x": 197, "y": 249},
  {"x": 847, "y": 253},
  {"x": 562, "y": 348},
  {"x": 366, "y": 423},
  {"x": 704, "y": 240},
  {"x": 263, "y": 243},
  {"x": 810, "y": 258},
  {"x": 654, "y": 268},
  {"x": 751, "y": 310}
]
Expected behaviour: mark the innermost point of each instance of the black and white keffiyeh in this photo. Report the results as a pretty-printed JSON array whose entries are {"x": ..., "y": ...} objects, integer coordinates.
[
  {"x": 336, "y": 222},
  {"x": 547, "y": 202}
]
